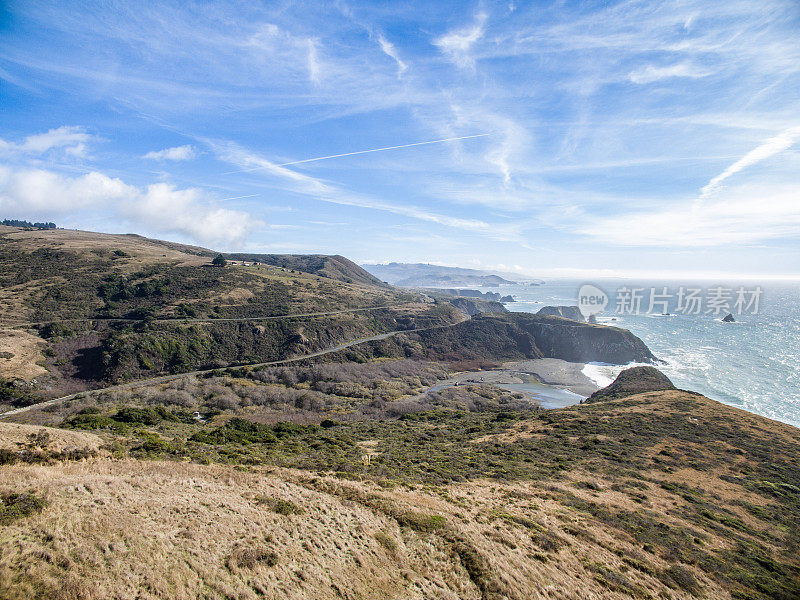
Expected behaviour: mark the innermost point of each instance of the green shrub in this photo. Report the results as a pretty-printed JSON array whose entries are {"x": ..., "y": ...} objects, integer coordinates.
[
  {"x": 237, "y": 431},
  {"x": 16, "y": 395},
  {"x": 387, "y": 542},
  {"x": 421, "y": 522},
  {"x": 681, "y": 577},
  {"x": 15, "y": 506},
  {"x": 8, "y": 457},
  {"x": 282, "y": 507},
  {"x": 92, "y": 421},
  {"x": 242, "y": 431},
  {"x": 153, "y": 443},
  {"x": 284, "y": 429},
  {"x": 250, "y": 558},
  {"x": 143, "y": 416}
]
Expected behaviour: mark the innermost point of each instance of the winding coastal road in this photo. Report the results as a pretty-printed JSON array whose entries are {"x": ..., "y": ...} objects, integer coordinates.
[{"x": 168, "y": 378}]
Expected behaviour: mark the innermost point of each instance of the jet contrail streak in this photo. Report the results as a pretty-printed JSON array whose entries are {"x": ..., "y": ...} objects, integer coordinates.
[
  {"x": 240, "y": 197},
  {"x": 307, "y": 160}
]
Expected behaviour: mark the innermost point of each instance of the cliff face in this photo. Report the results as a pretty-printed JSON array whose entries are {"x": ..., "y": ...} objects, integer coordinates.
[
  {"x": 523, "y": 335},
  {"x": 580, "y": 342},
  {"x": 482, "y": 337}
]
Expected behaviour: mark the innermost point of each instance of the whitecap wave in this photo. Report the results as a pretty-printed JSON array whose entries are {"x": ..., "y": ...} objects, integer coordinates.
[{"x": 600, "y": 373}]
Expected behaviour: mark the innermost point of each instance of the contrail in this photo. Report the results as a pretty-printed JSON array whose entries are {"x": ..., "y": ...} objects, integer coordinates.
[
  {"x": 240, "y": 197},
  {"x": 307, "y": 160}
]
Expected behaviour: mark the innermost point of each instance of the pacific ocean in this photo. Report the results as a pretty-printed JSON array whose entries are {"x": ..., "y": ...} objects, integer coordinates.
[{"x": 752, "y": 363}]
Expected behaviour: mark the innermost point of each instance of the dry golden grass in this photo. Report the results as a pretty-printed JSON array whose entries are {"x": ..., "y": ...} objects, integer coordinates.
[
  {"x": 140, "y": 249},
  {"x": 13, "y": 436},
  {"x": 164, "y": 530},
  {"x": 235, "y": 296},
  {"x": 20, "y": 352}
]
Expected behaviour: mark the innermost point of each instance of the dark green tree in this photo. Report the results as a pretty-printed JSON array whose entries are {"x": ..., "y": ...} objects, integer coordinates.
[{"x": 219, "y": 261}]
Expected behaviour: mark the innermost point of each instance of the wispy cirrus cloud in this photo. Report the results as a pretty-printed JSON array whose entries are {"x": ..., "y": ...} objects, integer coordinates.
[
  {"x": 652, "y": 73},
  {"x": 311, "y": 186},
  {"x": 457, "y": 44},
  {"x": 390, "y": 50},
  {"x": 746, "y": 215},
  {"x": 314, "y": 69},
  {"x": 186, "y": 152}
]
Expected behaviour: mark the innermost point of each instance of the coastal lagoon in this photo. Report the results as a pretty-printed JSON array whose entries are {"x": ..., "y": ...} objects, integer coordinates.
[
  {"x": 545, "y": 382},
  {"x": 753, "y": 364}
]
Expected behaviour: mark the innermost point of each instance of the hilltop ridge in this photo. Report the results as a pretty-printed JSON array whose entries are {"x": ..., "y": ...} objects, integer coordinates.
[{"x": 333, "y": 266}]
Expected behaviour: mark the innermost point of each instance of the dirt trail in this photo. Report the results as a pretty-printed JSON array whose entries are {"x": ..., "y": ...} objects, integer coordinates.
[{"x": 168, "y": 378}]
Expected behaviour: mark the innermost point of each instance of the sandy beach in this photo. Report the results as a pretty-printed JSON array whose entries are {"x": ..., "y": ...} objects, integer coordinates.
[
  {"x": 555, "y": 372},
  {"x": 548, "y": 382}
]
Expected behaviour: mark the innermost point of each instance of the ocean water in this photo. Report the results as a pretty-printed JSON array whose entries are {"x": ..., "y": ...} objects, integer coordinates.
[{"x": 753, "y": 364}]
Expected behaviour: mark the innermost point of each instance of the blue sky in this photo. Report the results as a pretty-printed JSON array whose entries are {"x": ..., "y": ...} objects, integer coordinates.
[{"x": 630, "y": 138}]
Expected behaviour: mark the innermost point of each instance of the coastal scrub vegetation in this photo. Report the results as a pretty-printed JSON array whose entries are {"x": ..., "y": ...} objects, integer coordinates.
[
  {"x": 660, "y": 494},
  {"x": 637, "y": 466}
]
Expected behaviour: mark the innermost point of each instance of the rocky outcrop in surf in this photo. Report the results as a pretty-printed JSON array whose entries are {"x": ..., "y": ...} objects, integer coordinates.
[{"x": 565, "y": 312}]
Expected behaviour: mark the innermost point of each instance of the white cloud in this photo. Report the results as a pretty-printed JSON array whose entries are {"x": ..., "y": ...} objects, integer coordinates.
[
  {"x": 313, "y": 63},
  {"x": 456, "y": 45},
  {"x": 161, "y": 206},
  {"x": 746, "y": 215},
  {"x": 771, "y": 147},
  {"x": 177, "y": 153},
  {"x": 389, "y": 50},
  {"x": 71, "y": 140},
  {"x": 652, "y": 73}
]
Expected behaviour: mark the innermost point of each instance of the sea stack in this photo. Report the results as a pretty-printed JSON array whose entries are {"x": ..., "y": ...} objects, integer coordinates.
[
  {"x": 572, "y": 313},
  {"x": 729, "y": 319}
]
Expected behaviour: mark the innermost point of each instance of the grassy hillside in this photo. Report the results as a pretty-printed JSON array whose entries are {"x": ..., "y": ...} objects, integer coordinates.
[
  {"x": 335, "y": 267},
  {"x": 656, "y": 495},
  {"x": 113, "y": 307},
  {"x": 81, "y": 310}
]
